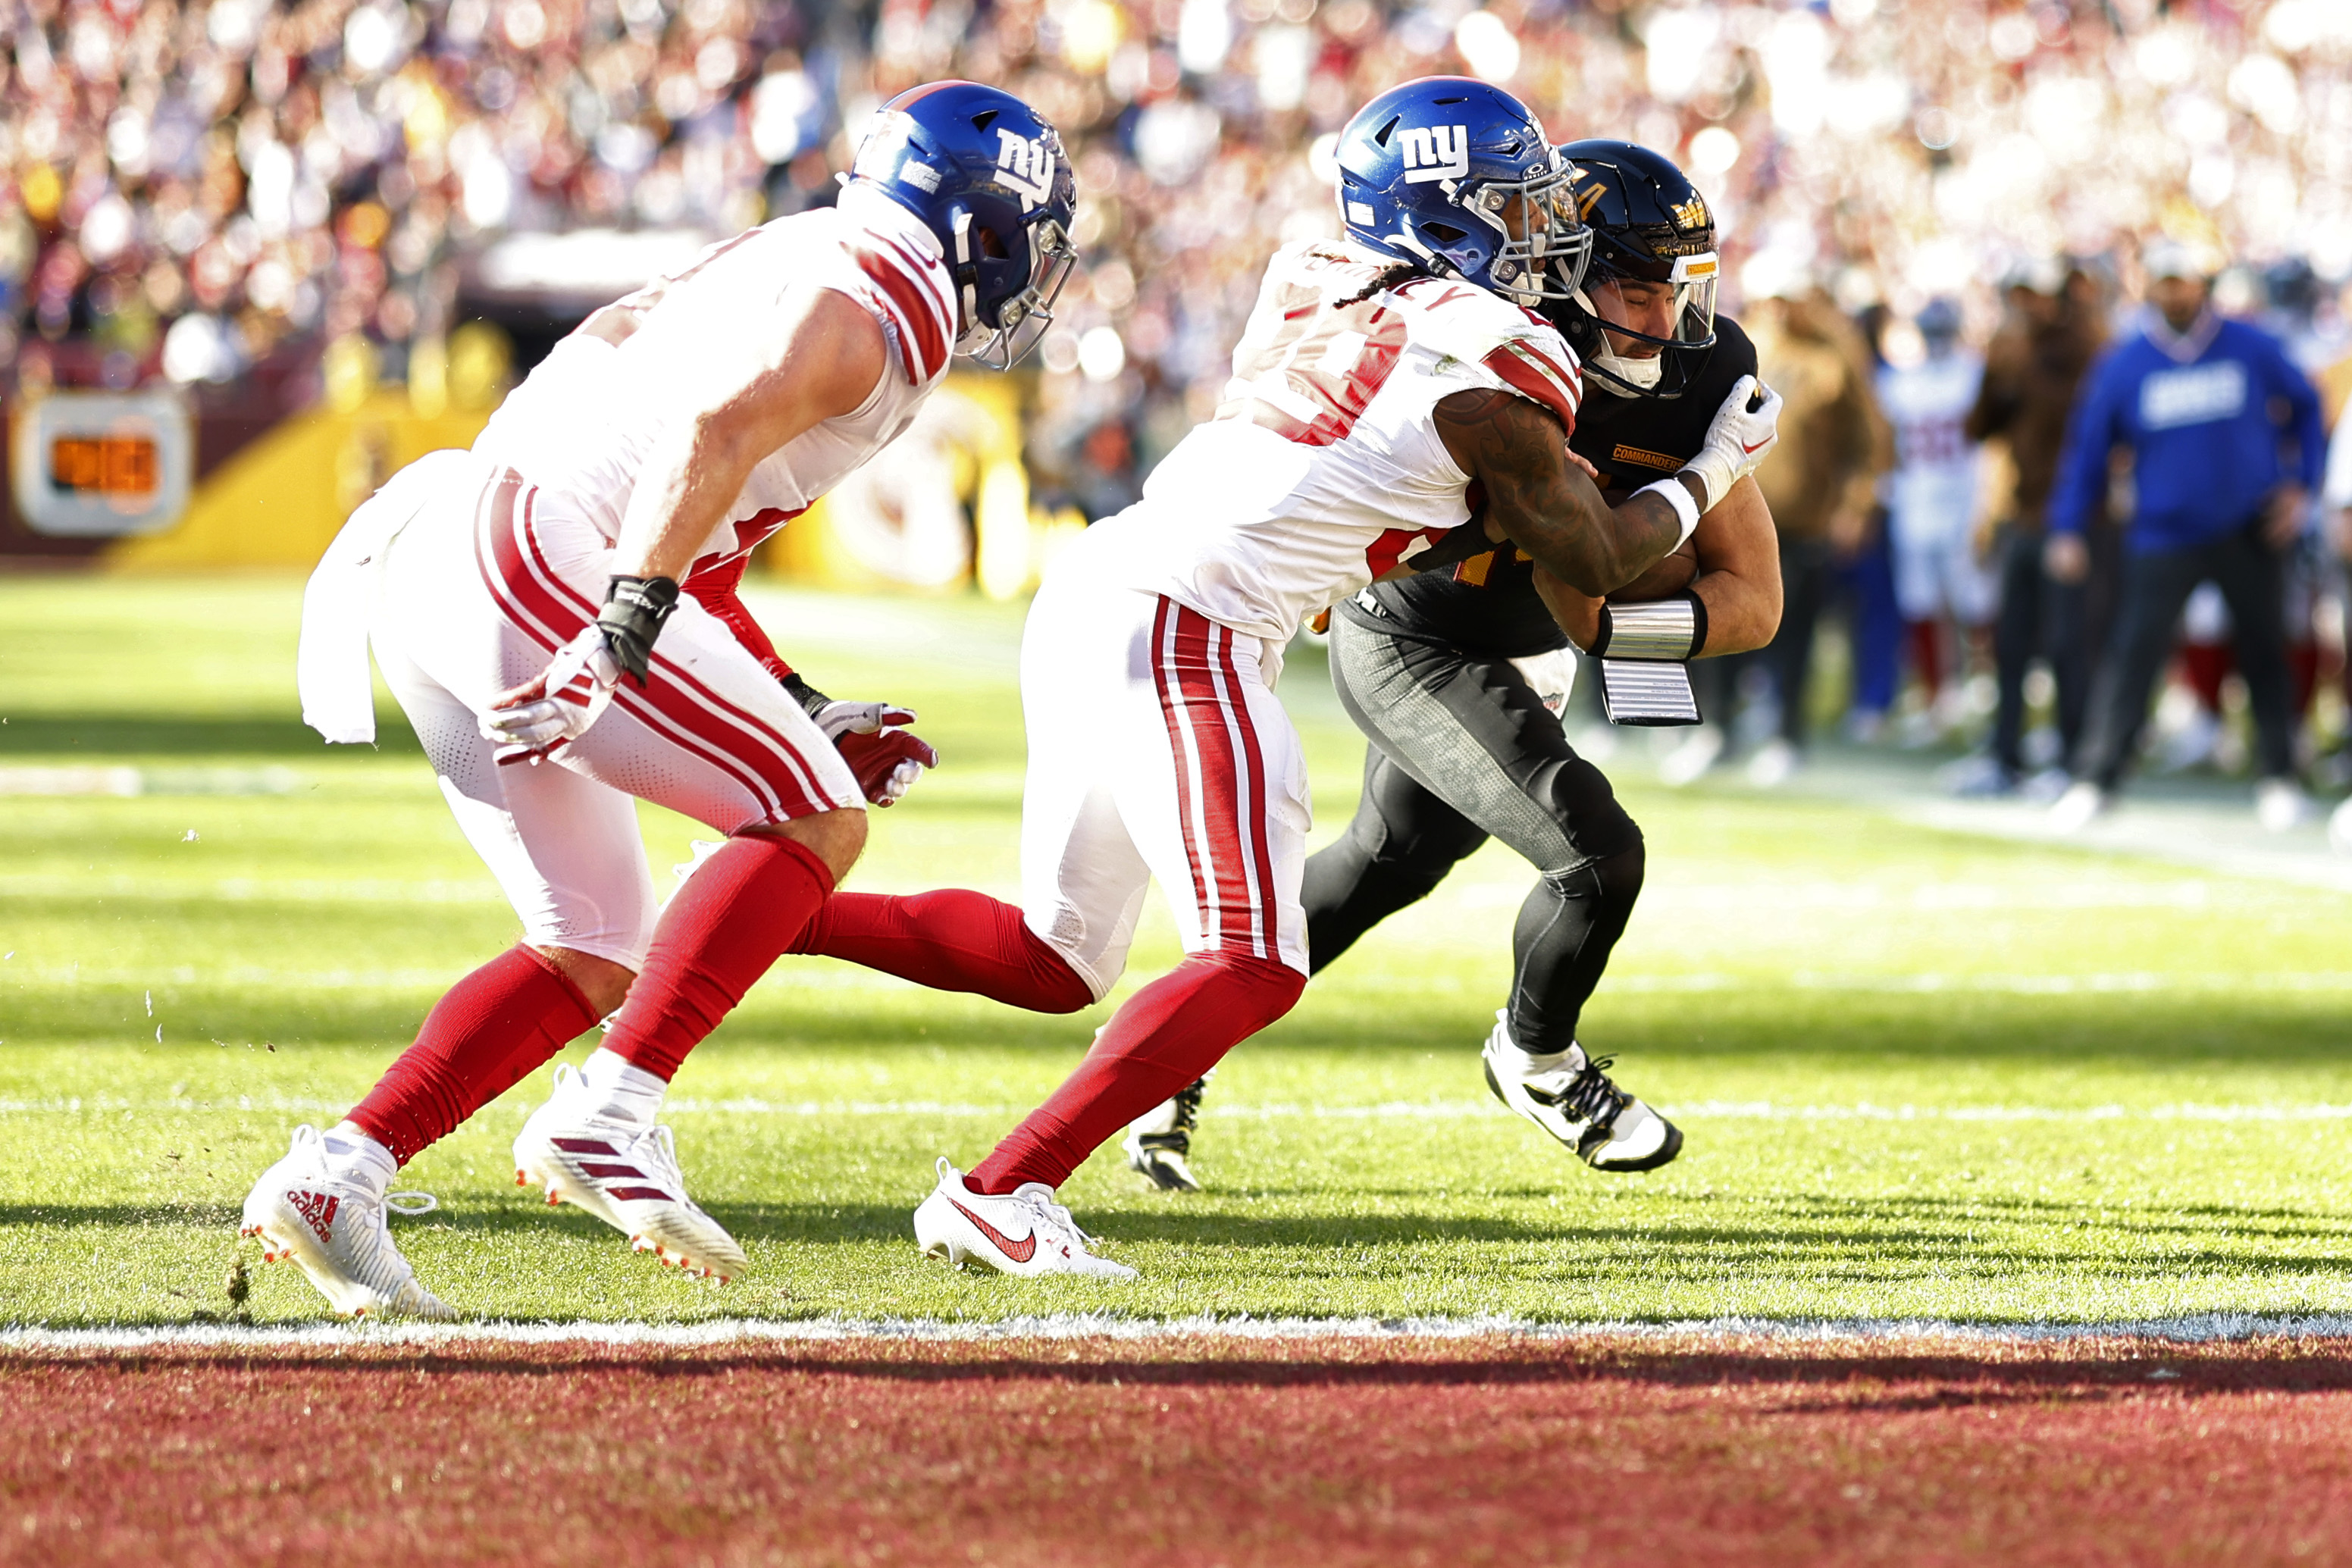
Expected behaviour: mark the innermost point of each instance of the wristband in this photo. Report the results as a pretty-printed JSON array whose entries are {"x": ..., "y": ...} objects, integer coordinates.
[
  {"x": 1678, "y": 496},
  {"x": 813, "y": 701},
  {"x": 635, "y": 608},
  {"x": 1659, "y": 631}
]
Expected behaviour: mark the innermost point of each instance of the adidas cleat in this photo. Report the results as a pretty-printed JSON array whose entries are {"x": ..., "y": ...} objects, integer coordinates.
[
  {"x": 1572, "y": 1097},
  {"x": 1023, "y": 1232},
  {"x": 1159, "y": 1142},
  {"x": 332, "y": 1229},
  {"x": 627, "y": 1174}
]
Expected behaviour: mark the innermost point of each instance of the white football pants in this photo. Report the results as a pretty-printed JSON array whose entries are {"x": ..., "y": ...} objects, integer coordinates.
[
  {"x": 1156, "y": 750},
  {"x": 479, "y": 592}
]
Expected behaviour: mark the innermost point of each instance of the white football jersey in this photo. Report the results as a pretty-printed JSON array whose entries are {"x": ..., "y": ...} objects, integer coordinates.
[
  {"x": 1322, "y": 468},
  {"x": 580, "y": 427},
  {"x": 1933, "y": 488}
]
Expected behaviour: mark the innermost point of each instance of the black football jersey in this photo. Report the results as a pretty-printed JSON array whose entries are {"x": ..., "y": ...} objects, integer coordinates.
[{"x": 1487, "y": 605}]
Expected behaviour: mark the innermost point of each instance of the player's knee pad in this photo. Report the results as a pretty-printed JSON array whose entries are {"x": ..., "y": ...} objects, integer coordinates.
[
  {"x": 1619, "y": 877},
  {"x": 1597, "y": 827},
  {"x": 1603, "y": 889}
]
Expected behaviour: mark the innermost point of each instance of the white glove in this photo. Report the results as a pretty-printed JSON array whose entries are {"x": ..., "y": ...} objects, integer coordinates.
[
  {"x": 1737, "y": 441},
  {"x": 839, "y": 718},
  {"x": 886, "y": 756},
  {"x": 541, "y": 716}
]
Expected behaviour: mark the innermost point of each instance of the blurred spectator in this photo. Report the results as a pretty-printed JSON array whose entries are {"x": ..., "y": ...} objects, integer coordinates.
[
  {"x": 1819, "y": 481},
  {"x": 1926, "y": 389},
  {"x": 2336, "y": 507},
  {"x": 2197, "y": 402},
  {"x": 325, "y": 168},
  {"x": 2032, "y": 370},
  {"x": 1864, "y": 590}
]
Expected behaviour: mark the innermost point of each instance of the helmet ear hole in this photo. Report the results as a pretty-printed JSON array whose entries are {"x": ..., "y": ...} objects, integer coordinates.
[
  {"x": 990, "y": 244},
  {"x": 1445, "y": 234}
]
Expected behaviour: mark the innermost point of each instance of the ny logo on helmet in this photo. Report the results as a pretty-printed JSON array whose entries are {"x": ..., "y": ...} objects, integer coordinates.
[
  {"x": 1025, "y": 165},
  {"x": 1435, "y": 153}
]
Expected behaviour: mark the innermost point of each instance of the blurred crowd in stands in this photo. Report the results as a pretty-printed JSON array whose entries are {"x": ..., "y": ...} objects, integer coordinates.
[{"x": 209, "y": 194}]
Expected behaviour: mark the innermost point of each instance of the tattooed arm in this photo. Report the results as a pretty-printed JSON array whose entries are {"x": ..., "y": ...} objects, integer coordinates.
[{"x": 1540, "y": 501}]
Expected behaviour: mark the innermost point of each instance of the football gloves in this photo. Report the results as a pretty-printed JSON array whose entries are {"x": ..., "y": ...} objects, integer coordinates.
[
  {"x": 1745, "y": 428},
  {"x": 540, "y": 716},
  {"x": 886, "y": 756}
]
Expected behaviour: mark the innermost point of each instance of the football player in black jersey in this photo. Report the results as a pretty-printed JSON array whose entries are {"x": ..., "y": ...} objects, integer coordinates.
[{"x": 1457, "y": 677}]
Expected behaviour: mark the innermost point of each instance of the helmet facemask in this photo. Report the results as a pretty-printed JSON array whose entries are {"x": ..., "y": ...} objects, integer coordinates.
[
  {"x": 1021, "y": 317},
  {"x": 1686, "y": 312},
  {"x": 1546, "y": 246}
]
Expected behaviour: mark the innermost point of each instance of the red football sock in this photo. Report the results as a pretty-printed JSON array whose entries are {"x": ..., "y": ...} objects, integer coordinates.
[
  {"x": 2302, "y": 669},
  {"x": 1162, "y": 1038},
  {"x": 734, "y": 917},
  {"x": 951, "y": 940},
  {"x": 2205, "y": 665},
  {"x": 488, "y": 1034},
  {"x": 1927, "y": 655}
]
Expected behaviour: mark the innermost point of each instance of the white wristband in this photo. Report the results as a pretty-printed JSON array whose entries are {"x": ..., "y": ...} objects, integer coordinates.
[{"x": 1678, "y": 498}]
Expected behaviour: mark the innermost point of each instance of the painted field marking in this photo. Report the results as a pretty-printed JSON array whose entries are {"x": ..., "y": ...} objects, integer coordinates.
[
  {"x": 1390, "y": 1110},
  {"x": 2196, "y": 1328},
  {"x": 847, "y": 979}
]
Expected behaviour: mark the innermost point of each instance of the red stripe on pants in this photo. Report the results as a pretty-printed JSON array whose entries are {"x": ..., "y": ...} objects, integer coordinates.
[
  {"x": 1221, "y": 801},
  {"x": 677, "y": 707}
]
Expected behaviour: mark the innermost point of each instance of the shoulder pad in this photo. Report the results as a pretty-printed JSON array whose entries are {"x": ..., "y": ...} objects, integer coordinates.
[{"x": 1522, "y": 350}]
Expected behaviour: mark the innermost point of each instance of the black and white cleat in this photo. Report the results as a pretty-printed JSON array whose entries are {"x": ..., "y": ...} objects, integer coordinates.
[
  {"x": 1159, "y": 1142},
  {"x": 1572, "y": 1097}
]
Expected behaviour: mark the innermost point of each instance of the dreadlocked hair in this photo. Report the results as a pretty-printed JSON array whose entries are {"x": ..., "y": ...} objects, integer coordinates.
[{"x": 1387, "y": 277}]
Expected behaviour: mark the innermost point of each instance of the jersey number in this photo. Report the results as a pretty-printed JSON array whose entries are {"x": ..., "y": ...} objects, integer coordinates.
[{"x": 1308, "y": 371}]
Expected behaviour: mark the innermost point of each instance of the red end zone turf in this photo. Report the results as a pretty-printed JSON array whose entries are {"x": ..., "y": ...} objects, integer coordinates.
[{"x": 1184, "y": 1451}]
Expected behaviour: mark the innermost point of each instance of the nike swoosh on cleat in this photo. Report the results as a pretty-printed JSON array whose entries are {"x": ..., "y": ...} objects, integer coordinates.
[{"x": 1020, "y": 1252}]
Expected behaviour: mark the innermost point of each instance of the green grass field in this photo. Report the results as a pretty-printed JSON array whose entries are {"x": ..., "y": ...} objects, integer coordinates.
[{"x": 1920, "y": 1075}]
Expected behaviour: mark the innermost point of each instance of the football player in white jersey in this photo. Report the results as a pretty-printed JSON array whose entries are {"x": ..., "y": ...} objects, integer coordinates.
[
  {"x": 1931, "y": 504},
  {"x": 556, "y": 611},
  {"x": 1377, "y": 381}
]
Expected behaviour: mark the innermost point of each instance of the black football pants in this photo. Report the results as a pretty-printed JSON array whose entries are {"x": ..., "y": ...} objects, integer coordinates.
[{"x": 1462, "y": 749}]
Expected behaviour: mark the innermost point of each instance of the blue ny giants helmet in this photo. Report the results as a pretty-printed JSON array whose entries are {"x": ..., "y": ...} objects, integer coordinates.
[
  {"x": 1456, "y": 177},
  {"x": 987, "y": 175}
]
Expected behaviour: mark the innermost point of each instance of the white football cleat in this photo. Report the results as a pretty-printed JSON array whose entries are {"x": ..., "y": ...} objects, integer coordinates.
[
  {"x": 1021, "y": 1232},
  {"x": 2082, "y": 803},
  {"x": 1774, "y": 763},
  {"x": 624, "y": 1172},
  {"x": 1570, "y": 1097},
  {"x": 332, "y": 1226},
  {"x": 2280, "y": 805}
]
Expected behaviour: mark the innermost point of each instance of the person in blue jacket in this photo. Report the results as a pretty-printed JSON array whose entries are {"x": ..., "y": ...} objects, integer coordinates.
[{"x": 2226, "y": 447}]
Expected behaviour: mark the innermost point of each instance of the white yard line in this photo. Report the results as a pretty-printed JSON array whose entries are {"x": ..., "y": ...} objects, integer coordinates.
[
  {"x": 1389, "y": 1111},
  {"x": 2196, "y": 1328},
  {"x": 846, "y": 978}
]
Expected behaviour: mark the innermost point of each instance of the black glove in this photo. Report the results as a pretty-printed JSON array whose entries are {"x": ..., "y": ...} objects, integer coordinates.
[{"x": 635, "y": 608}]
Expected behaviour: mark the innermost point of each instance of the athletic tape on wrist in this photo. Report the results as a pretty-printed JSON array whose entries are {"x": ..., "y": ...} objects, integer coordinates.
[
  {"x": 1663, "y": 631},
  {"x": 813, "y": 701},
  {"x": 636, "y": 609},
  {"x": 1679, "y": 498}
]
